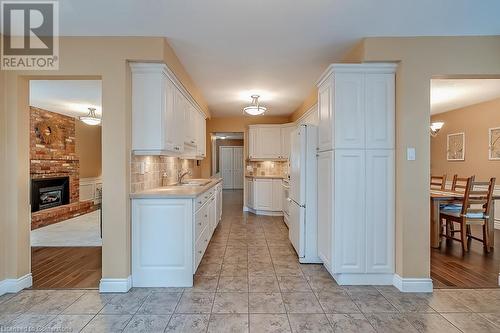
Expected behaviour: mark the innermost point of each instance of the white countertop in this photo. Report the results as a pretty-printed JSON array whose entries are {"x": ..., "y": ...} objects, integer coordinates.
[{"x": 175, "y": 192}]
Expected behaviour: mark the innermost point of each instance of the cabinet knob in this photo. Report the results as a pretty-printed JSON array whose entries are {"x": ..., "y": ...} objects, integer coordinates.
[
  {"x": 199, "y": 252},
  {"x": 206, "y": 240},
  {"x": 206, "y": 215},
  {"x": 199, "y": 202},
  {"x": 199, "y": 223}
]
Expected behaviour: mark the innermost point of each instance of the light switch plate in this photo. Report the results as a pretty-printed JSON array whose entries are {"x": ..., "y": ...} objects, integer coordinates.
[{"x": 411, "y": 154}]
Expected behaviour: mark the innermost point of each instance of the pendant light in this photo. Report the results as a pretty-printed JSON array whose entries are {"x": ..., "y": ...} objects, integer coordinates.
[
  {"x": 255, "y": 109},
  {"x": 91, "y": 118}
]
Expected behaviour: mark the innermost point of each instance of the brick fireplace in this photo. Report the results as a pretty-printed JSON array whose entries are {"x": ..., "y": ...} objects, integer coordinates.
[{"x": 49, "y": 164}]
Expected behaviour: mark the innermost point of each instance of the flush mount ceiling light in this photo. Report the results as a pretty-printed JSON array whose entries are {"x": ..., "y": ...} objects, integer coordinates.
[
  {"x": 255, "y": 109},
  {"x": 435, "y": 127},
  {"x": 91, "y": 118}
]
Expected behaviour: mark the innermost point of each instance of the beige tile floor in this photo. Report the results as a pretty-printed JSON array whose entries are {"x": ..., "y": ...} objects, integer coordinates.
[{"x": 250, "y": 280}]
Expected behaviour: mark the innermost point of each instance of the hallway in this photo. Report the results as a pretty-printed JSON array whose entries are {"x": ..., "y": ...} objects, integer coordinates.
[{"x": 250, "y": 279}]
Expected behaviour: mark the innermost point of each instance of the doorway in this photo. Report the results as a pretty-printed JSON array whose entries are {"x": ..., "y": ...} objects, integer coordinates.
[
  {"x": 465, "y": 153},
  {"x": 66, "y": 183}
]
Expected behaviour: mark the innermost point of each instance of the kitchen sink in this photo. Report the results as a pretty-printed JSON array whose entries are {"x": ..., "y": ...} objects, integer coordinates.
[{"x": 195, "y": 182}]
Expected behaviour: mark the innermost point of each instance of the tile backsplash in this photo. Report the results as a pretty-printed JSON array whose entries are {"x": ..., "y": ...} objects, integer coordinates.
[
  {"x": 267, "y": 168},
  {"x": 155, "y": 169}
]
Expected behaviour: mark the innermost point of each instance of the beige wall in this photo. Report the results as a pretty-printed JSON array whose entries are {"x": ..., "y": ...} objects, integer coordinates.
[
  {"x": 422, "y": 58},
  {"x": 78, "y": 60},
  {"x": 474, "y": 120},
  {"x": 88, "y": 149},
  {"x": 234, "y": 124},
  {"x": 355, "y": 54}
]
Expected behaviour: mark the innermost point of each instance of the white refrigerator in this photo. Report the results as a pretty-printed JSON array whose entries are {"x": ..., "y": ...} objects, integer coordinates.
[{"x": 303, "y": 193}]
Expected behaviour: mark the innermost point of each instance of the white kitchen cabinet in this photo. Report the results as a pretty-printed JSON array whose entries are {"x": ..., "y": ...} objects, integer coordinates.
[
  {"x": 162, "y": 242},
  {"x": 201, "y": 139},
  {"x": 380, "y": 110},
  {"x": 250, "y": 193},
  {"x": 263, "y": 194},
  {"x": 219, "y": 203},
  {"x": 356, "y": 107},
  {"x": 349, "y": 211},
  {"x": 349, "y": 110},
  {"x": 277, "y": 195},
  {"x": 165, "y": 118},
  {"x": 380, "y": 210},
  {"x": 325, "y": 206},
  {"x": 286, "y": 130},
  {"x": 170, "y": 236},
  {"x": 325, "y": 116},
  {"x": 265, "y": 142},
  {"x": 190, "y": 122},
  {"x": 356, "y": 173},
  {"x": 212, "y": 211}
]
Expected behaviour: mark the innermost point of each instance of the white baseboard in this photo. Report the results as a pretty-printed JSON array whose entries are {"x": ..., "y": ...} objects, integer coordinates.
[
  {"x": 413, "y": 285},
  {"x": 16, "y": 285},
  {"x": 263, "y": 212},
  {"x": 363, "y": 279},
  {"x": 115, "y": 285}
]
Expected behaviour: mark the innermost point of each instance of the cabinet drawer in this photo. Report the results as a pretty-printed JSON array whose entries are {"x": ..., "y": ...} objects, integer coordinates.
[
  {"x": 200, "y": 221},
  {"x": 201, "y": 246},
  {"x": 202, "y": 199}
]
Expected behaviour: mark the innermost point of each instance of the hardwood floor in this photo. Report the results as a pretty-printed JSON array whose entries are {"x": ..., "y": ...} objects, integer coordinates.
[
  {"x": 66, "y": 267},
  {"x": 475, "y": 269}
]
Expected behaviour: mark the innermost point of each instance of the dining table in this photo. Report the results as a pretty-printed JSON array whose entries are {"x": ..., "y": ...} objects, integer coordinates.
[{"x": 442, "y": 197}]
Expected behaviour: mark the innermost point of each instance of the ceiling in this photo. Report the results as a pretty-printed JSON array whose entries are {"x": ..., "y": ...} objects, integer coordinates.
[
  {"x": 277, "y": 48},
  {"x": 68, "y": 97},
  {"x": 448, "y": 95}
]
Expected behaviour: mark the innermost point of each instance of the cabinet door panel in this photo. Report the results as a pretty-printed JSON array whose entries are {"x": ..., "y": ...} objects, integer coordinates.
[
  {"x": 277, "y": 195},
  {"x": 380, "y": 211},
  {"x": 325, "y": 115},
  {"x": 179, "y": 110},
  {"x": 250, "y": 193},
  {"x": 263, "y": 194},
  {"x": 349, "y": 111},
  {"x": 162, "y": 243},
  {"x": 285, "y": 141},
  {"x": 252, "y": 142},
  {"x": 380, "y": 110},
  {"x": 325, "y": 207},
  {"x": 269, "y": 142},
  {"x": 170, "y": 124},
  {"x": 349, "y": 212}
]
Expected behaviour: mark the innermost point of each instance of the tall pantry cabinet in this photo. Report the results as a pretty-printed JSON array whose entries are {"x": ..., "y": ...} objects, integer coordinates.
[{"x": 356, "y": 176}]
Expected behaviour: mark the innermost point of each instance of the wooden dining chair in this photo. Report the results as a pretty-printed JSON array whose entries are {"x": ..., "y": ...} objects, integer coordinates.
[
  {"x": 475, "y": 210},
  {"x": 459, "y": 184},
  {"x": 438, "y": 182}
]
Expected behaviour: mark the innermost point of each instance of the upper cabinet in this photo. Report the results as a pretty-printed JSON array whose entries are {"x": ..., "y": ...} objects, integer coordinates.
[
  {"x": 165, "y": 118},
  {"x": 286, "y": 130},
  {"x": 357, "y": 107},
  {"x": 269, "y": 141}
]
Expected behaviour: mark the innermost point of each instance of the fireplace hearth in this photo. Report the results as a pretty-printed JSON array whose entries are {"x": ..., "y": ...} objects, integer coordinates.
[{"x": 49, "y": 192}]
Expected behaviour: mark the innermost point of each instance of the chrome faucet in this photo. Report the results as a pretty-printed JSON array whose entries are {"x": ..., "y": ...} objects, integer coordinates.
[{"x": 182, "y": 174}]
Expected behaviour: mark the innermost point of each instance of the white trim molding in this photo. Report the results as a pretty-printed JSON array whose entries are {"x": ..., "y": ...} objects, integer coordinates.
[
  {"x": 16, "y": 285},
  {"x": 413, "y": 285},
  {"x": 363, "y": 279},
  {"x": 115, "y": 285}
]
